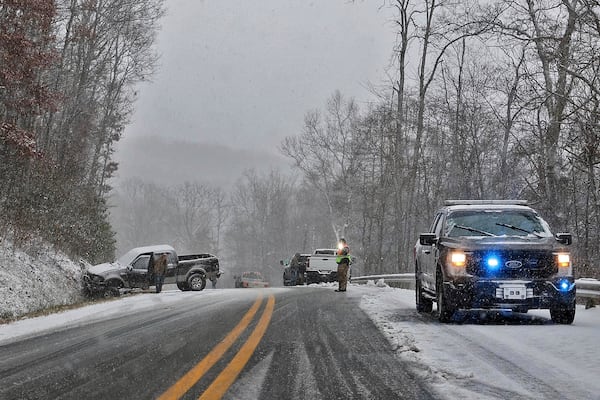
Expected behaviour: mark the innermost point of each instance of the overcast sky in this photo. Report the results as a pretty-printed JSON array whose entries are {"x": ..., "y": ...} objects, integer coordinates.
[{"x": 243, "y": 73}]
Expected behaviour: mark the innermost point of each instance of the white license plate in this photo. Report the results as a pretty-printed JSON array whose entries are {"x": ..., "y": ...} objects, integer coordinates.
[{"x": 515, "y": 292}]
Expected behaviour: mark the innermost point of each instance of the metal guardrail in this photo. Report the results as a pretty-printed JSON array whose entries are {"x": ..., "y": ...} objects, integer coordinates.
[
  {"x": 586, "y": 288},
  {"x": 406, "y": 281}
]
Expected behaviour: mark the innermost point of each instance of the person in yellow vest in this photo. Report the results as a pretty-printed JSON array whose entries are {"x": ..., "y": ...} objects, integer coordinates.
[{"x": 343, "y": 262}]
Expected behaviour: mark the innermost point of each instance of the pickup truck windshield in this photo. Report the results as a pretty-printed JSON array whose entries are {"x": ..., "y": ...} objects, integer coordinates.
[
  {"x": 494, "y": 223},
  {"x": 326, "y": 252}
]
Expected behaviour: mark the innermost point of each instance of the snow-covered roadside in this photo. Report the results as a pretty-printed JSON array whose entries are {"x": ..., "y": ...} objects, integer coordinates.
[
  {"x": 522, "y": 356},
  {"x": 90, "y": 313},
  {"x": 36, "y": 280}
]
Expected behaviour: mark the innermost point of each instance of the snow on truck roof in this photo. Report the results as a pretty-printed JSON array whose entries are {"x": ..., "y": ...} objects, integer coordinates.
[
  {"x": 128, "y": 257},
  {"x": 485, "y": 202},
  {"x": 325, "y": 251},
  {"x": 492, "y": 205}
]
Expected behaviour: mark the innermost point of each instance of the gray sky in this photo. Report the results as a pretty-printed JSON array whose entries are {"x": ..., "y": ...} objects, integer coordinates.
[{"x": 243, "y": 73}]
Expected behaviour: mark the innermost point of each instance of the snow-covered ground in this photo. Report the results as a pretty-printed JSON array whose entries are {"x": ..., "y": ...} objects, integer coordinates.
[
  {"x": 491, "y": 356},
  {"x": 36, "y": 278},
  {"x": 521, "y": 356}
]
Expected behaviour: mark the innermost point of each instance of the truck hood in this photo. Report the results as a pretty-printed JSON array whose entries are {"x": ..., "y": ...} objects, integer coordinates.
[
  {"x": 501, "y": 242},
  {"x": 103, "y": 269}
]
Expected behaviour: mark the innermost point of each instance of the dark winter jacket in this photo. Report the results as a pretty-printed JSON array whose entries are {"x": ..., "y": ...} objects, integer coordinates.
[{"x": 160, "y": 266}]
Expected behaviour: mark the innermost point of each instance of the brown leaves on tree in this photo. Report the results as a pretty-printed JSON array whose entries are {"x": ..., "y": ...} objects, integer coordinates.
[
  {"x": 21, "y": 140},
  {"x": 26, "y": 54}
]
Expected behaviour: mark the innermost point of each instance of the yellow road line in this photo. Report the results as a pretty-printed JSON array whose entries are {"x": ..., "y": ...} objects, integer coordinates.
[
  {"x": 194, "y": 375},
  {"x": 221, "y": 384}
]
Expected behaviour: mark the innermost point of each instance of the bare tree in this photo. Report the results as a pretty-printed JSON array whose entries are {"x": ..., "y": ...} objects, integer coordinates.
[{"x": 329, "y": 153}]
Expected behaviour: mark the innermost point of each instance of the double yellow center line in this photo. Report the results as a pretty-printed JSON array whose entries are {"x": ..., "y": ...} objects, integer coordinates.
[{"x": 223, "y": 382}]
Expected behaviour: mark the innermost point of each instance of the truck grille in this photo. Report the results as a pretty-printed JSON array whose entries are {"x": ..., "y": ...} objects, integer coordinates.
[{"x": 513, "y": 264}]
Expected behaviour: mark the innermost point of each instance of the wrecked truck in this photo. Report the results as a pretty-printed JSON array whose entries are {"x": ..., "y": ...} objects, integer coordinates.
[{"x": 134, "y": 270}]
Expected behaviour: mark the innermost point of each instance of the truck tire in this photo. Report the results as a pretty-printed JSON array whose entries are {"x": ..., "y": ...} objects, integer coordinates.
[
  {"x": 423, "y": 305},
  {"x": 182, "y": 286},
  {"x": 563, "y": 314},
  {"x": 196, "y": 282},
  {"x": 445, "y": 308},
  {"x": 110, "y": 291}
]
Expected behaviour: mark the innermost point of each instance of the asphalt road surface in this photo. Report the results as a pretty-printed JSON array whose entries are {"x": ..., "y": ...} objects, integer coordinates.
[{"x": 293, "y": 343}]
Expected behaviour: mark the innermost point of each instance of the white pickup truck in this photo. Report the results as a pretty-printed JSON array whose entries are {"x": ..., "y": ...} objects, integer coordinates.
[{"x": 321, "y": 266}]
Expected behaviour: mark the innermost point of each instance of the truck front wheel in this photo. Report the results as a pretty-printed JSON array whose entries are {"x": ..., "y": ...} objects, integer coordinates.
[
  {"x": 423, "y": 305},
  {"x": 444, "y": 303},
  {"x": 196, "y": 282},
  {"x": 562, "y": 314}
]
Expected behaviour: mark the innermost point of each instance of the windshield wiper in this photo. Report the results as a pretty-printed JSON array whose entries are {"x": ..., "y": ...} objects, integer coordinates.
[
  {"x": 516, "y": 228},
  {"x": 468, "y": 228}
]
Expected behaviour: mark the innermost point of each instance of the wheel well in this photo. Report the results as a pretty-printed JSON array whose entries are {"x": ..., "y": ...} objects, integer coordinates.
[
  {"x": 196, "y": 272},
  {"x": 114, "y": 282}
]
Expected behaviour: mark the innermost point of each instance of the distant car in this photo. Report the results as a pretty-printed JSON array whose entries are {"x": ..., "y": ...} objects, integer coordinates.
[{"x": 251, "y": 279}]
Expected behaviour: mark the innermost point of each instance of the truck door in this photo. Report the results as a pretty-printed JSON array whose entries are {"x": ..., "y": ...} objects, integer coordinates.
[
  {"x": 137, "y": 272},
  {"x": 430, "y": 254},
  {"x": 172, "y": 264}
]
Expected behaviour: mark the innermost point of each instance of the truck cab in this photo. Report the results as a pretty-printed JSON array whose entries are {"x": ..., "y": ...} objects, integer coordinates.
[{"x": 493, "y": 255}]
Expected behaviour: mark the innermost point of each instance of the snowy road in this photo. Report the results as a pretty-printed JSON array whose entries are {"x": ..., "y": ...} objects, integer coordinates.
[{"x": 317, "y": 345}]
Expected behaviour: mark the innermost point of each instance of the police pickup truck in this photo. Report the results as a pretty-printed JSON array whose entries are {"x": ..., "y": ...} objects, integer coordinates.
[
  {"x": 134, "y": 270},
  {"x": 493, "y": 255}
]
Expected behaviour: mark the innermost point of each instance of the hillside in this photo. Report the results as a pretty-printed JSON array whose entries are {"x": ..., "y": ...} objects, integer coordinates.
[{"x": 36, "y": 278}]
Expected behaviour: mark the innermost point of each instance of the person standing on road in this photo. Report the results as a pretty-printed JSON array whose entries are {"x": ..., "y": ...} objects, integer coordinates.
[
  {"x": 295, "y": 267},
  {"x": 160, "y": 269},
  {"x": 343, "y": 262}
]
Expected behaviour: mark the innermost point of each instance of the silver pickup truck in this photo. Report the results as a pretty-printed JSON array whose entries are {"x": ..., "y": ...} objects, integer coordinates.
[{"x": 132, "y": 270}]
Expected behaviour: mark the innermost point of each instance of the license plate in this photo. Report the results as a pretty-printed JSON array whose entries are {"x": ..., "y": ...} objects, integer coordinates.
[{"x": 515, "y": 292}]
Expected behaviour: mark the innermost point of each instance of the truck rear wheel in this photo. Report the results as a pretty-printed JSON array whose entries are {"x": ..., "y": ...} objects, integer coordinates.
[{"x": 196, "y": 282}]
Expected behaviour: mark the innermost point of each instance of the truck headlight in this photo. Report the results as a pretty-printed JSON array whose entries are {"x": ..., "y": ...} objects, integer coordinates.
[
  {"x": 456, "y": 263},
  {"x": 563, "y": 261},
  {"x": 458, "y": 259}
]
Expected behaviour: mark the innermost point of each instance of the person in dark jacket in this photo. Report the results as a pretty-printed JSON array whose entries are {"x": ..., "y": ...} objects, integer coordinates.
[
  {"x": 160, "y": 269},
  {"x": 295, "y": 268}
]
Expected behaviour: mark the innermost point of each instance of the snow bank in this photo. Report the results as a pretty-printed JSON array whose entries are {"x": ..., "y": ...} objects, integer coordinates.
[{"x": 36, "y": 278}]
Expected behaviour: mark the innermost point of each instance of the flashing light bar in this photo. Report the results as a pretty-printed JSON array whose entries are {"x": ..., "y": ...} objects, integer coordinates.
[{"x": 484, "y": 202}]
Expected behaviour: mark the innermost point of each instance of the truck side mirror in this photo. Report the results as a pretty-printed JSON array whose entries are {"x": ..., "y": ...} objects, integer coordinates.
[
  {"x": 427, "y": 239},
  {"x": 564, "y": 238}
]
